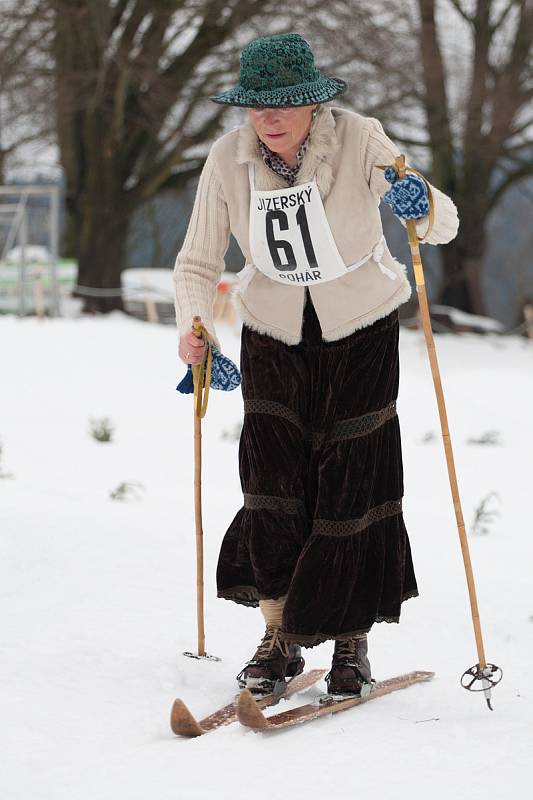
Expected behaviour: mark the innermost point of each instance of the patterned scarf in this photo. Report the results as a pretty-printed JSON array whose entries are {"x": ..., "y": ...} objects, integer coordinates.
[{"x": 278, "y": 165}]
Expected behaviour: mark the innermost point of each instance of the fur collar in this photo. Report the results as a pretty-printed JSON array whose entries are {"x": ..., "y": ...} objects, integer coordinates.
[{"x": 317, "y": 161}]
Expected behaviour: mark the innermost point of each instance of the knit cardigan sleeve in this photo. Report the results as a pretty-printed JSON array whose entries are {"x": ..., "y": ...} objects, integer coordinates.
[
  {"x": 379, "y": 149},
  {"x": 200, "y": 261}
]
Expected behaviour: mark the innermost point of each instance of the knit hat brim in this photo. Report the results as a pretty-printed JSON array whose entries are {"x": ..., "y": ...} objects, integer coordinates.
[{"x": 303, "y": 94}]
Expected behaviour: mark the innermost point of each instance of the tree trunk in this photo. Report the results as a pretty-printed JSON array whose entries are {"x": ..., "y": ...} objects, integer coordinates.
[
  {"x": 462, "y": 269},
  {"x": 472, "y": 270},
  {"x": 102, "y": 248},
  {"x": 462, "y": 257},
  {"x": 102, "y": 215},
  {"x": 454, "y": 291}
]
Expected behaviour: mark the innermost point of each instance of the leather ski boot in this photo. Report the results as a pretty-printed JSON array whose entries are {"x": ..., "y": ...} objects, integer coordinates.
[
  {"x": 272, "y": 662},
  {"x": 350, "y": 668}
]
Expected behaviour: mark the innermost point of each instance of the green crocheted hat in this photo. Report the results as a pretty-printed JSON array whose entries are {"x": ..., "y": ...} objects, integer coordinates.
[{"x": 279, "y": 71}]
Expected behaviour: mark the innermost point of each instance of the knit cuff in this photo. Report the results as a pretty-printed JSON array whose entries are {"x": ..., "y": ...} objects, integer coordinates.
[{"x": 446, "y": 222}]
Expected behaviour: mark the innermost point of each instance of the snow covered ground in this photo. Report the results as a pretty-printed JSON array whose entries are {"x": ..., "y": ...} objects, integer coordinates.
[{"x": 98, "y": 596}]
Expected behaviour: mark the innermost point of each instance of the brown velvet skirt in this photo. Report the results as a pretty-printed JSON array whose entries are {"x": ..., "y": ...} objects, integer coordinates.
[{"x": 321, "y": 472}]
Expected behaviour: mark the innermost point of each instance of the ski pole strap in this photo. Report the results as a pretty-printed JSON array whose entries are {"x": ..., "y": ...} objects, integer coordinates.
[{"x": 202, "y": 371}]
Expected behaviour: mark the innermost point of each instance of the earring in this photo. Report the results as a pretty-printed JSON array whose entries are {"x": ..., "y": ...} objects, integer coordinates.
[{"x": 315, "y": 112}]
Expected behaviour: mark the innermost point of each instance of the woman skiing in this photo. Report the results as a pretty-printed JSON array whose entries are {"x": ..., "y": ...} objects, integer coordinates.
[{"x": 320, "y": 542}]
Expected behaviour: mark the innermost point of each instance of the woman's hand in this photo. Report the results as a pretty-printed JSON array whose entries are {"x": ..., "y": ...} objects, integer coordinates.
[{"x": 191, "y": 349}]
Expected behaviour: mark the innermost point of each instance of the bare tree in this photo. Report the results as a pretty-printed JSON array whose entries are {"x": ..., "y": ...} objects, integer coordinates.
[
  {"x": 494, "y": 153},
  {"x": 470, "y": 121},
  {"x": 131, "y": 81},
  {"x": 130, "y": 78},
  {"x": 25, "y": 80}
]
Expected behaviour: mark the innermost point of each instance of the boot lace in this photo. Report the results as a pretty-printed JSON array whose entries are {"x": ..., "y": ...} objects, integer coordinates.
[
  {"x": 346, "y": 652},
  {"x": 270, "y": 641}
]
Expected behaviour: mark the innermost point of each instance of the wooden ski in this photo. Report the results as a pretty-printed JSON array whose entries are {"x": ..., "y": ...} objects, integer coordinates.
[
  {"x": 250, "y": 714},
  {"x": 183, "y": 722}
]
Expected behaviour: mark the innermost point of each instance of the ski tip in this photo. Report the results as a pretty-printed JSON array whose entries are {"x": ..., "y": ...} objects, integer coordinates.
[
  {"x": 182, "y": 721},
  {"x": 249, "y": 713},
  {"x": 423, "y": 675}
]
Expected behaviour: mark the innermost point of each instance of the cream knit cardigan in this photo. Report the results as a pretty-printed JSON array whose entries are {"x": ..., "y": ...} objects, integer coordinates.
[{"x": 342, "y": 156}]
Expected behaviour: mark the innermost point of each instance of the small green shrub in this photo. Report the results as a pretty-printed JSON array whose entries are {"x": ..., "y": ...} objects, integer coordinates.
[
  {"x": 101, "y": 429},
  {"x": 489, "y": 437},
  {"x": 484, "y": 516},
  {"x": 127, "y": 490}
]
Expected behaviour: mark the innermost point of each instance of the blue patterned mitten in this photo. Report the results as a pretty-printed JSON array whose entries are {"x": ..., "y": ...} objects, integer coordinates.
[
  {"x": 408, "y": 196},
  {"x": 224, "y": 374}
]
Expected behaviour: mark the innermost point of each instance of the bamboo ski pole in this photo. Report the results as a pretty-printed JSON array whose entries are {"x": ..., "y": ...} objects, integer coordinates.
[
  {"x": 488, "y": 674},
  {"x": 200, "y": 397},
  {"x": 198, "y": 512}
]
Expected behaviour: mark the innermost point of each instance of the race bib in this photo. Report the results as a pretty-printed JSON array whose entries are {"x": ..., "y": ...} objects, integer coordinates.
[{"x": 290, "y": 237}]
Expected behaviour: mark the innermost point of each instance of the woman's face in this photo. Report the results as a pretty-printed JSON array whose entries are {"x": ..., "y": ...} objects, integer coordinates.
[{"x": 282, "y": 129}]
